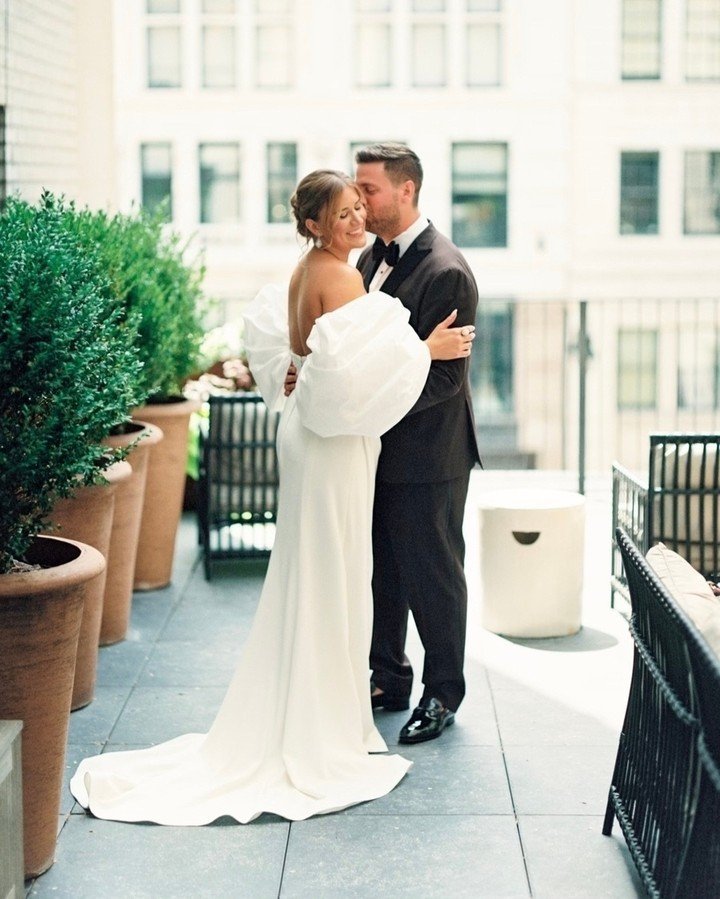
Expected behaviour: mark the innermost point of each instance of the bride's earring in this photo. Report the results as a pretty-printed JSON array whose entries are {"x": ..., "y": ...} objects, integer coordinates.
[{"x": 318, "y": 243}]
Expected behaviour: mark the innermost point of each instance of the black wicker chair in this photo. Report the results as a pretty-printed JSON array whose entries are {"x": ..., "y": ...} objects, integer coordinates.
[
  {"x": 665, "y": 789},
  {"x": 237, "y": 488},
  {"x": 677, "y": 502},
  {"x": 700, "y": 874}
]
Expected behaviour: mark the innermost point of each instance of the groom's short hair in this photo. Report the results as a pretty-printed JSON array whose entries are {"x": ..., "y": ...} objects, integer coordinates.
[{"x": 401, "y": 163}]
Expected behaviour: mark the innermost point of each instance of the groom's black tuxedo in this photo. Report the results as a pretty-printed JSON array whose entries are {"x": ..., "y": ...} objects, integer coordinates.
[{"x": 421, "y": 486}]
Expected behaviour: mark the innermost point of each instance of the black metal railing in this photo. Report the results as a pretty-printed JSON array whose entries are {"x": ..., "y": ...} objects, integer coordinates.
[{"x": 572, "y": 386}]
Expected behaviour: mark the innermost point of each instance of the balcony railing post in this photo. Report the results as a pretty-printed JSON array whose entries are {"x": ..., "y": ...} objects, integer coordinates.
[{"x": 583, "y": 356}]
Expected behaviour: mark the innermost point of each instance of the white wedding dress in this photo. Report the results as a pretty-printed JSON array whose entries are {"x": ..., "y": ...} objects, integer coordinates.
[{"x": 294, "y": 732}]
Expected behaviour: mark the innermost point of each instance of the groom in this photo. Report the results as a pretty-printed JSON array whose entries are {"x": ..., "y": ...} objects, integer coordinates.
[{"x": 425, "y": 462}]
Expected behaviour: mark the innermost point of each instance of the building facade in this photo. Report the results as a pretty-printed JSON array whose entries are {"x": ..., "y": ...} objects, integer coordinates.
[{"x": 571, "y": 149}]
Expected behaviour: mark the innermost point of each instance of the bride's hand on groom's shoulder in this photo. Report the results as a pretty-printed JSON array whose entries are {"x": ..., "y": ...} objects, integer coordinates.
[{"x": 446, "y": 343}]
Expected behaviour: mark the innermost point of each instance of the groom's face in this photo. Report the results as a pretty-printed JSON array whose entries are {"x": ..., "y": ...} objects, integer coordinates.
[{"x": 382, "y": 199}]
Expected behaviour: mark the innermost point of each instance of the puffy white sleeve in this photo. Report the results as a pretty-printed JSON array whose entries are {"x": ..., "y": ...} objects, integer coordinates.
[
  {"x": 267, "y": 344},
  {"x": 366, "y": 370}
]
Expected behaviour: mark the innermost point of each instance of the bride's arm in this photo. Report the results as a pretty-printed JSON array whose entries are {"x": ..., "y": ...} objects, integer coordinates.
[{"x": 446, "y": 343}]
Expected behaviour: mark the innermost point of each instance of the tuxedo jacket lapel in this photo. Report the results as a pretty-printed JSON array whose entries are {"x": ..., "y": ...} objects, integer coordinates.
[
  {"x": 366, "y": 266},
  {"x": 409, "y": 260},
  {"x": 417, "y": 250}
]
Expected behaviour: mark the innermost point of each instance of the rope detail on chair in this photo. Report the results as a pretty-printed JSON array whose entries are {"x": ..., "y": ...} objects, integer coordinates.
[
  {"x": 711, "y": 769},
  {"x": 633, "y": 844},
  {"x": 670, "y": 695}
]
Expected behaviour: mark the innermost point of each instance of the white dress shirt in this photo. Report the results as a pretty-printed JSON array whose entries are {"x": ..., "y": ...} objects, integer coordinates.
[{"x": 403, "y": 241}]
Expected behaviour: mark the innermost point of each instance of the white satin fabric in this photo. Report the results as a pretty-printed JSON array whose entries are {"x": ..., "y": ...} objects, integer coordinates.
[{"x": 295, "y": 731}]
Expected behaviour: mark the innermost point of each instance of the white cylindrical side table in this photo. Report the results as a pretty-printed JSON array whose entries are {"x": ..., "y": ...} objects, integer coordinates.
[{"x": 532, "y": 545}]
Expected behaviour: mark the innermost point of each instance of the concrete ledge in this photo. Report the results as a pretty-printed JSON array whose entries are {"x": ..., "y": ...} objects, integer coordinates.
[{"x": 11, "y": 818}]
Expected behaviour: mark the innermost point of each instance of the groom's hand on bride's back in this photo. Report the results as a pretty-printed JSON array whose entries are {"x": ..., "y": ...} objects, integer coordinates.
[{"x": 290, "y": 379}]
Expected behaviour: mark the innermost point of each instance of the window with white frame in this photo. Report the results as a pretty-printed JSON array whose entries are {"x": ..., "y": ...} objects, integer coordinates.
[
  {"x": 702, "y": 192},
  {"x": 219, "y": 7},
  {"x": 427, "y": 43},
  {"x": 273, "y": 43},
  {"x": 641, "y": 39},
  {"x": 281, "y": 179},
  {"x": 356, "y": 145},
  {"x": 698, "y": 374},
  {"x": 218, "y": 56},
  {"x": 164, "y": 58},
  {"x": 240, "y": 43},
  {"x": 637, "y": 368},
  {"x": 163, "y": 6},
  {"x": 281, "y": 7},
  {"x": 163, "y": 39},
  {"x": 373, "y": 43},
  {"x": 483, "y": 56},
  {"x": 702, "y": 40},
  {"x": 218, "y": 44},
  {"x": 219, "y": 183},
  {"x": 156, "y": 176},
  {"x": 639, "y": 192},
  {"x": 479, "y": 194},
  {"x": 491, "y": 363}
]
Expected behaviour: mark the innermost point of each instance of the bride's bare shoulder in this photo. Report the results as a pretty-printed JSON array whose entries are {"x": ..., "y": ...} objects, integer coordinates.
[
  {"x": 331, "y": 280},
  {"x": 341, "y": 284}
]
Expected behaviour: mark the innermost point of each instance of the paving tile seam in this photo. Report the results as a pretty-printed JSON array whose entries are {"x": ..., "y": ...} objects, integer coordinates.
[
  {"x": 567, "y": 744},
  {"x": 214, "y": 686},
  {"x": 181, "y": 590},
  {"x": 118, "y": 717},
  {"x": 284, "y": 861},
  {"x": 146, "y": 661},
  {"x": 406, "y": 814},
  {"x": 509, "y": 785},
  {"x": 599, "y": 815}
]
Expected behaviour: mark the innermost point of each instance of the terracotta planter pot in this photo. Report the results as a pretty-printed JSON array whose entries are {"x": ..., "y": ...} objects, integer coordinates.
[
  {"x": 125, "y": 532},
  {"x": 87, "y": 517},
  {"x": 163, "y": 492},
  {"x": 40, "y": 616}
]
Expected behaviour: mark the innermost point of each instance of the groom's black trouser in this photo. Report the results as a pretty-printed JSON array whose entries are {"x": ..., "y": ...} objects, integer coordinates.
[{"x": 419, "y": 553}]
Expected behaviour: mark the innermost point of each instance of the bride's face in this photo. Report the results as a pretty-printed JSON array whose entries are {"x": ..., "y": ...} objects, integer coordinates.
[{"x": 348, "y": 218}]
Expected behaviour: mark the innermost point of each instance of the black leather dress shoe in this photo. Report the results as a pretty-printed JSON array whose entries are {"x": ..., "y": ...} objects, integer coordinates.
[
  {"x": 427, "y": 722},
  {"x": 389, "y": 702}
]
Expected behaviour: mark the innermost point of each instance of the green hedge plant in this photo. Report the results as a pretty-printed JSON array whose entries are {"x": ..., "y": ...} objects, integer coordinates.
[
  {"x": 155, "y": 286},
  {"x": 69, "y": 366}
]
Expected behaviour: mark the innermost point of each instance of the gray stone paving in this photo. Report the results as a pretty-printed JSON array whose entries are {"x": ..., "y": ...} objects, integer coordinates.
[{"x": 507, "y": 803}]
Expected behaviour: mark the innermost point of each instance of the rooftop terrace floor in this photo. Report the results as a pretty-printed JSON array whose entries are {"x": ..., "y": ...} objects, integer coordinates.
[{"x": 507, "y": 803}]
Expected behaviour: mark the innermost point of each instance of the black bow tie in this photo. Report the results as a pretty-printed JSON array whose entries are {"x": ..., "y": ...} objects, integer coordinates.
[{"x": 390, "y": 253}]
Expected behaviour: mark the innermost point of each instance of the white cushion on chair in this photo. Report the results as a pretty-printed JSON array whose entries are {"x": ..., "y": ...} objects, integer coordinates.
[
  {"x": 691, "y": 591},
  {"x": 687, "y": 467}
]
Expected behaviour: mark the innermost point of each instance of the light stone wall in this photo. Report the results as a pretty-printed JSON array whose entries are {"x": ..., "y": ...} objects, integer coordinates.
[
  {"x": 97, "y": 175},
  {"x": 56, "y": 83},
  {"x": 41, "y": 95}
]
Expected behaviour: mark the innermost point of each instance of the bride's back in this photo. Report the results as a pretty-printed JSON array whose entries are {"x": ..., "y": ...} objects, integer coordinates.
[{"x": 320, "y": 283}]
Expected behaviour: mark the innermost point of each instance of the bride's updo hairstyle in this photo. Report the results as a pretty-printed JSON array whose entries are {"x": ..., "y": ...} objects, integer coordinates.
[{"x": 314, "y": 198}]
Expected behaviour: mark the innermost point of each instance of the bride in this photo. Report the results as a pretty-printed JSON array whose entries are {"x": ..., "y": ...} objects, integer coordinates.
[{"x": 295, "y": 733}]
